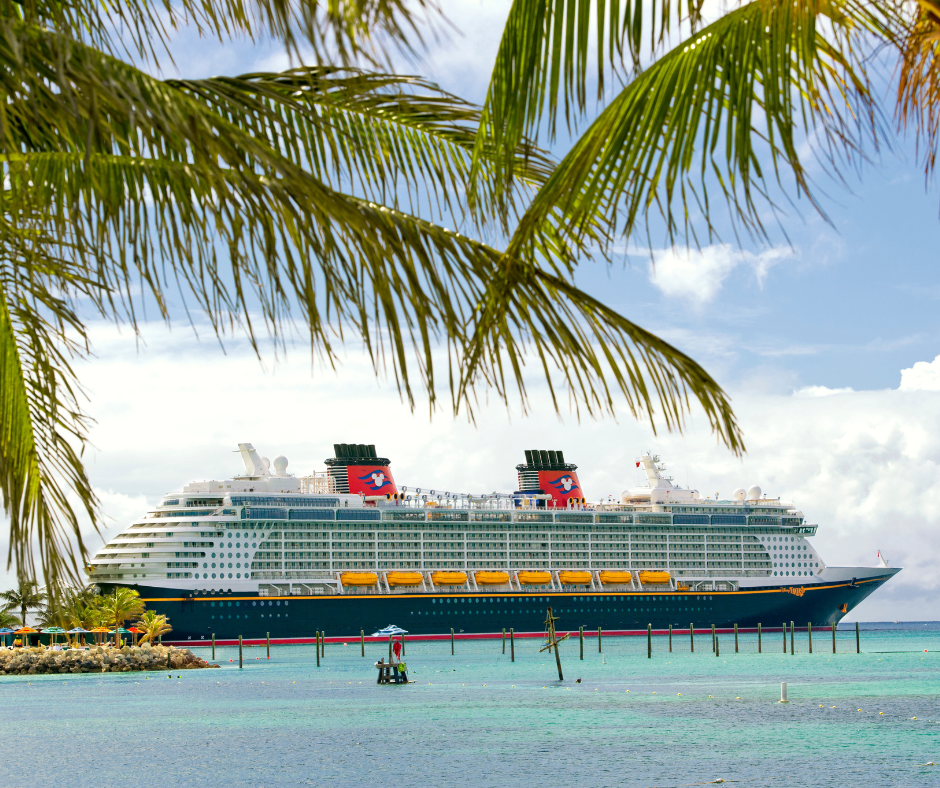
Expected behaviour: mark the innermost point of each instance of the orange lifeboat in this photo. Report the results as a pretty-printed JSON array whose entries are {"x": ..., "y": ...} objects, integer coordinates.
[
  {"x": 654, "y": 578},
  {"x": 535, "y": 578},
  {"x": 575, "y": 578},
  {"x": 359, "y": 578},
  {"x": 616, "y": 578},
  {"x": 491, "y": 578},
  {"x": 404, "y": 578},
  {"x": 448, "y": 578}
]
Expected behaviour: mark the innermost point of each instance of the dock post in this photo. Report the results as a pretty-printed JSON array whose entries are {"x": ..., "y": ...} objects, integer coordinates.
[
  {"x": 784, "y": 637},
  {"x": 713, "y": 638},
  {"x": 858, "y": 642},
  {"x": 267, "y": 639},
  {"x": 792, "y": 638},
  {"x": 833, "y": 637},
  {"x": 213, "y": 643},
  {"x": 649, "y": 641},
  {"x": 512, "y": 645},
  {"x": 239, "y": 652},
  {"x": 389, "y": 649},
  {"x": 452, "y": 641},
  {"x": 504, "y": 640},
  {"x": 317, "y": 649},
  {"x": 809, "y": 635},
  {"x": 581, "y": 636},
  {"x": 599, "y": 634},
  {"x": 692, "y": 637},
  {"x": 670, "y": 638},
  {"x": 758, "y": 638},
  {"x": 322, "y": 643},
  {"x": 735, "y": 638},
  {"x": 403, "y": 644},
  {"x": 362, "y": 641},
  {"x": 717, "y": 647}
]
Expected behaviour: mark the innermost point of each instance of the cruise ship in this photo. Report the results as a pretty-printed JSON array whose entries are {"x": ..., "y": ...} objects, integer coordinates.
[{"x": 347, "y": 551}]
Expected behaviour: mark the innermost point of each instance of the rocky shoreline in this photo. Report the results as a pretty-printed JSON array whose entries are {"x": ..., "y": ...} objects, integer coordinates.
[{"x": 98, "y": 659}]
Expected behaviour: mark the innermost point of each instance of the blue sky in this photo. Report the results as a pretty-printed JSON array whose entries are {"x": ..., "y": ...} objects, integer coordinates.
[{"x": 809, "y": 339}]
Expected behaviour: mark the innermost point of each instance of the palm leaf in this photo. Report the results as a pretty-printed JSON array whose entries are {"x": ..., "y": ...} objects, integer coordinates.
[
  {"x": 708, "y": 117},
  {"x": 39, "y": 413}
]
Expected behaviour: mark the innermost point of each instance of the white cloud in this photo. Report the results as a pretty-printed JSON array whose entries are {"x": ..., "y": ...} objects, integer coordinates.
[
  {"x": 923, "y": 376},
  {"x": 697, "y": 275},
  {"x": 821, "y": 391}
]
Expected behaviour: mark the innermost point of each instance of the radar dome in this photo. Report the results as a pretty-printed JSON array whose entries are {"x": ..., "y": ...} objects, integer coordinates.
[
  {"x": 740, "y": 494},
  {"x": 280, "y": 465},
  {"x": 753, "y": 493}
]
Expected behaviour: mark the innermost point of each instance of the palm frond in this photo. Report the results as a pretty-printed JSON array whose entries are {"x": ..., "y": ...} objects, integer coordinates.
[
  {"x": 42, "y": 423},
  {"x": 337, "y": 30},
  {"x": 543, "y": 65},
  {"x": 918, "y": 98},
  {"x": 722, "y": 113}
]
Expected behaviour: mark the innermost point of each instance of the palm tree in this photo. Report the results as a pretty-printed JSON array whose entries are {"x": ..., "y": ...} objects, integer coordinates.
[
  {"x": 8, "y": 619},
  {"x": 153, "y": 625},
  {"x": 27, "y": 596},
  {"x": 327, "y": 196},
  {"x": 120, "y": 605}
]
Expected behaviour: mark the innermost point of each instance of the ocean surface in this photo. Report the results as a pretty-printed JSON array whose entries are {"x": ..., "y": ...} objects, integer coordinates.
[{"x": 477, "y": 719}]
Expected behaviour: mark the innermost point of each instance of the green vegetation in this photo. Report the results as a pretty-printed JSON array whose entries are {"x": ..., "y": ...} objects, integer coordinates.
[{"x": 153, "y": 625}]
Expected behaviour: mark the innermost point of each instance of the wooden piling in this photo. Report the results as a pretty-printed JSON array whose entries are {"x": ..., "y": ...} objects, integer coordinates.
[
  {"x": 452, "y": 641},
  {"x": 713, "y": 638},
  {"x": 792, "y": 639},
  {"x": 322, "y": 643},
  {"x": 649, "y": 641},
  {"x": 362, "y": 641},
  {"x": 390, "y": 650},
  {"x": 504, "y": 640},
  {"x": 670, "y": 638},
  {"x": 267, "y": 640},
  {"x": 581, "y": 636},
  {"x": 512, "y": 645},
  {"x": 213, "y": 643},
  {"x": 240, "y": 652},
  {"x": 717, "y": 647},
  {"x": 692, "y": 637},
  {"x": 758, "y": 638},
  {"x": 599, "y": 640},
  {"x": 858, "y": 642},
  {"x": 784, "y": 637},
  {"x": 317, "y": 648},
  {"x": 735, "y": 638},
  {"x": 403, "y": 644},
  {"x": 809, "y": 635},
  {"x": 833, "y": 637}
]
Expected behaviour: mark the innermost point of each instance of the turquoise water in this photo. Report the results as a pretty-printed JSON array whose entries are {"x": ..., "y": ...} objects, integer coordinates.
[{"x": 478, "y": 719}]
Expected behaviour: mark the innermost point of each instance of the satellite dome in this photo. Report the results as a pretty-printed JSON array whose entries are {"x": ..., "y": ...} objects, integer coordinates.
[
  {"x": 740, "y": 494},
  {"x": 753, "y": 493},
  {"x": 280, "y": 465}
]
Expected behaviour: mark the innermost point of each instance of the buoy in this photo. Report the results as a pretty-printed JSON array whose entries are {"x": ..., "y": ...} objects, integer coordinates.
[{"x": 783, "y": 693}]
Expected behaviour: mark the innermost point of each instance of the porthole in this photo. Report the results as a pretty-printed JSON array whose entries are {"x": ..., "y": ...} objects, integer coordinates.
[
  {"x": 229, "y": 575},
  {"x": 213, "y": 574}
]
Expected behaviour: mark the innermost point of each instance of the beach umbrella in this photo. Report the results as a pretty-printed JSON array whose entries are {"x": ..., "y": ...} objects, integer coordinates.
[
  {"x": 77, "y": 631},
  {"x": 5, "y": 631},
  {"x": 119, "y": 631},
  {"x": 135, "y": 632},
  {"x": 53, "y": 631},
  {"x": 26, "y": 631},
  {"x": 98, "y": 631}
]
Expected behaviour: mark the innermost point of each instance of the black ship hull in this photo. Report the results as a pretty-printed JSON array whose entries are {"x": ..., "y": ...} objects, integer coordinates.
[{"x": 296, "y": 618}]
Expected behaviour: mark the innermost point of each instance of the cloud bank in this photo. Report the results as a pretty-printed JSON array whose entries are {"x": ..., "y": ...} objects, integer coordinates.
[{"x": 864, "y": 465}]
